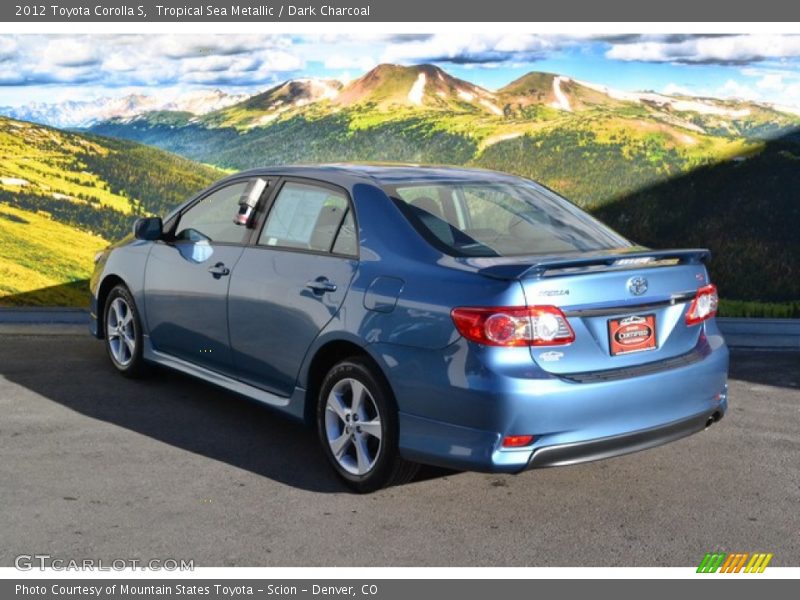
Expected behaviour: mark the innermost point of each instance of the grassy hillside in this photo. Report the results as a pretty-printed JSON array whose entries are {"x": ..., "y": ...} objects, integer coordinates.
[
  {"x": 38, "y": 254},
  {"x": 64, "y": 196}
]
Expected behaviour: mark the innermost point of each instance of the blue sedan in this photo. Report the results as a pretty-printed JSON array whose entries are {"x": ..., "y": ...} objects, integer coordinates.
[{"x": 455, "y": 317}]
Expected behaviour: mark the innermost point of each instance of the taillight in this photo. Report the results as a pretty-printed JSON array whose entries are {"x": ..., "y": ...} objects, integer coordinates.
[
  {"x": 704, "y": 305},
  {"x": 514, "y": 326}
]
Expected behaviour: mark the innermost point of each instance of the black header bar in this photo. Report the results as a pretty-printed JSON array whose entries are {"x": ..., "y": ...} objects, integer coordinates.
[{"x": 337, "y": 11}]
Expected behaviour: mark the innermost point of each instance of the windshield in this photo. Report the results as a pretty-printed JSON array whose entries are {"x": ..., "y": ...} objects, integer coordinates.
[{"x": 466, "y": 218}]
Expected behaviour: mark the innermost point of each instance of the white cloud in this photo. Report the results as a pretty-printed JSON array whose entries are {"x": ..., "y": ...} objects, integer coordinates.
[
  {"x": 518, "y": 42},
  {"x": 68, "y": 52},
  {"x": 771, "y": 82},
  {"x": 187, "y": 46},
  {"x": 340, "y": 61},
  {"x": 8, "y": 47},
  {"x": 770, "y": 87},
  {"x": 469, "y": 48},
  {"x": 736, "y": 90},
  {"x": 674, "y": 89},
  {"x": 731, "y": 49},
  {"x": 149, "y": 60}
]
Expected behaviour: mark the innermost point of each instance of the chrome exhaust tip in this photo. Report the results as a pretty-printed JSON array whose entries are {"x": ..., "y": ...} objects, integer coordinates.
[{"x": 716, "y": 416}]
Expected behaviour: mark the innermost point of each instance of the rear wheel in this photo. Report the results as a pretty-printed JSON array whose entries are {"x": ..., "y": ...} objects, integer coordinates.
[
  {"x": 123, "y": 332},
  {"x": 357, "y": 425}
]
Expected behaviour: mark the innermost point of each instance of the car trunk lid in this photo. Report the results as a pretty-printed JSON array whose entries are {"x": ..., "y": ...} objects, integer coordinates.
[{"x": 626, "y": 309}]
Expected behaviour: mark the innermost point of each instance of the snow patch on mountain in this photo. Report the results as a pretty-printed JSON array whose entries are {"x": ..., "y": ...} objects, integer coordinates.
[
  {"x": 496, "y": 139},
  {"x": 320, "y": 89},
  {"x": 491, "y": 106},
  {"x": 678, "y": 104},
  {"x": 792, "y": 110},
  {"x": 466, "y": 96},
  {"x": 417, "y": 90},
  {"x": 561, "y": 102}
]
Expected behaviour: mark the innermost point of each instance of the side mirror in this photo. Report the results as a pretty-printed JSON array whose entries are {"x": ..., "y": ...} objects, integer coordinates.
[{"x": 148, "y": 228}]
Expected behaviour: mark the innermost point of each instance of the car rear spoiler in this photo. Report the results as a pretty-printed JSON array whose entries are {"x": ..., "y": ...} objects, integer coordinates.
[{"x": 552, "y": 266}]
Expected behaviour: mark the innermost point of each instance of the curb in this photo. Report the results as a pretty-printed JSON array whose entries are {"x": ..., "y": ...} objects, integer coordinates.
[
  {"x": 43, "y": 329},
  {"x": 766, "y": 334},
  {"x": 774, "y": 334},
  {"x": 44, "y": 315},
  {"x": 43, "y": 321}
]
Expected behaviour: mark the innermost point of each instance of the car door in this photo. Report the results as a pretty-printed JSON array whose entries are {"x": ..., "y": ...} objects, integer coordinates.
[
  {"x": 187, "y": 279},
  {"x": 289, "y": 284}
]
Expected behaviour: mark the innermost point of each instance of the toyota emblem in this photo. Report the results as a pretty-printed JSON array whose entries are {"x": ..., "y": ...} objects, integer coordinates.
[{"x": 637, "y": 285}]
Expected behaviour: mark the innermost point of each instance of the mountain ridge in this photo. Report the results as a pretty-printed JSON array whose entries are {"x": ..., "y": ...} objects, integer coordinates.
[
  {"x": 396, "y": 92},
  {"x": 84, "y": 113},
  {"x": 386, "y": 86}
]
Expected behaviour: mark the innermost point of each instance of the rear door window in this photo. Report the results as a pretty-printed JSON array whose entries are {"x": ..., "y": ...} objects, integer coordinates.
[{"x": 309, "y": 217}]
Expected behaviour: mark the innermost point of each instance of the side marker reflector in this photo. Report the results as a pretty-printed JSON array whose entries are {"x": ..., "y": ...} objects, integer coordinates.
[{"x": 517, "y": 441}]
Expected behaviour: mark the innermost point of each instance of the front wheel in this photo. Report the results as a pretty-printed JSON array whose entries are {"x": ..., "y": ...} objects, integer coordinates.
[
  {"x": 357, "y": 425},
  {"x": 123, "y": 332}
]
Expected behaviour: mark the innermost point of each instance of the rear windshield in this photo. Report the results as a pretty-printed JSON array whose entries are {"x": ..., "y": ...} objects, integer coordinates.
[{"x": 500, "y": 219}]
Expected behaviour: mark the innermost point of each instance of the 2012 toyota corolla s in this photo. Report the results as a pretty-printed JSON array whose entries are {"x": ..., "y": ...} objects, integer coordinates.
[{"x": 456, "y": 317}]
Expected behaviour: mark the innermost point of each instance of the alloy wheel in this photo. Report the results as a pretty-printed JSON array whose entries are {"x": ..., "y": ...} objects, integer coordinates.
[
  {"x": 120, "y": 332},
  {"x": 353, "y": 426}
]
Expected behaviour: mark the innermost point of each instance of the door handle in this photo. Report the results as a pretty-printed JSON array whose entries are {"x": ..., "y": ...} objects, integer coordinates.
[
  {"x": 219, "y": 270},
  {"x": 321, "y": 285}
]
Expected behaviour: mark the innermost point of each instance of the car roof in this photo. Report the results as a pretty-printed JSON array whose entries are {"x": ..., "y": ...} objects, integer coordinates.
[{"x": 347, "y": 174}]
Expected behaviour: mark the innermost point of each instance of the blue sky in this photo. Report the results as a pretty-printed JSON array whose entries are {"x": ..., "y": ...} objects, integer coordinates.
[{"x": 54, "y": 68}]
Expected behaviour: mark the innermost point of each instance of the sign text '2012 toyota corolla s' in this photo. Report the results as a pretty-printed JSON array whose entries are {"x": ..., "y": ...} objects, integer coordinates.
[{"x": 455, "y": 317}]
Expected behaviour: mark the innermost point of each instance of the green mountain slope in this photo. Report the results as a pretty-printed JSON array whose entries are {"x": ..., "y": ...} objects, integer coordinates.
[
  {"x": 277, "y": 101},
  {"x": 748, "y": 211},
  {"x": 64, "y": 195}
]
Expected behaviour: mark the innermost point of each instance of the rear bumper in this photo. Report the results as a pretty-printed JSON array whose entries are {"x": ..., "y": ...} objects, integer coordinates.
[
  {"x": 462, "y": 448},
  {"x": 578, "y": 452},
  {"x": 455, "y": 408}
]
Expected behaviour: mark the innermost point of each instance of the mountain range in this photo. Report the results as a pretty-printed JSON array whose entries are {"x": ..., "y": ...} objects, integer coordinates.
[
  {"x": 423, "y": 114},
  {"x": 665, "y": 170},
  {"x": 427, "y": 88},
  {"x": 84, "y": 113}
]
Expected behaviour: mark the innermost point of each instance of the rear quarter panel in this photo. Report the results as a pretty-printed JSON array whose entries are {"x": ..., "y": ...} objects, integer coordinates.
[{"x": 424, "y": 289}]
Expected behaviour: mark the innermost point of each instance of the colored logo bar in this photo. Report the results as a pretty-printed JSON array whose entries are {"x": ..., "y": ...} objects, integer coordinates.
[{"x": 734, "y": 562}]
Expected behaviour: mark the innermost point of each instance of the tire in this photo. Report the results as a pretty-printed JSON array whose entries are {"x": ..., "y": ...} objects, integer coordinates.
[
  {"x": 123, "y": 333},
  {"x": 361, "y": 445}
]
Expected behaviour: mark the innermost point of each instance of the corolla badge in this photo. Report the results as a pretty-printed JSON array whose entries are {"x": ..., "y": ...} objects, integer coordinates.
[
  {"x": 551, "y": 356},
  {"x": 637, "y": 285}
]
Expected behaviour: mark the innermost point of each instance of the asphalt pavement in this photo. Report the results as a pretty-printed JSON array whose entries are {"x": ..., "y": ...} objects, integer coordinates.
[{"x": 96, "y": 466}]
